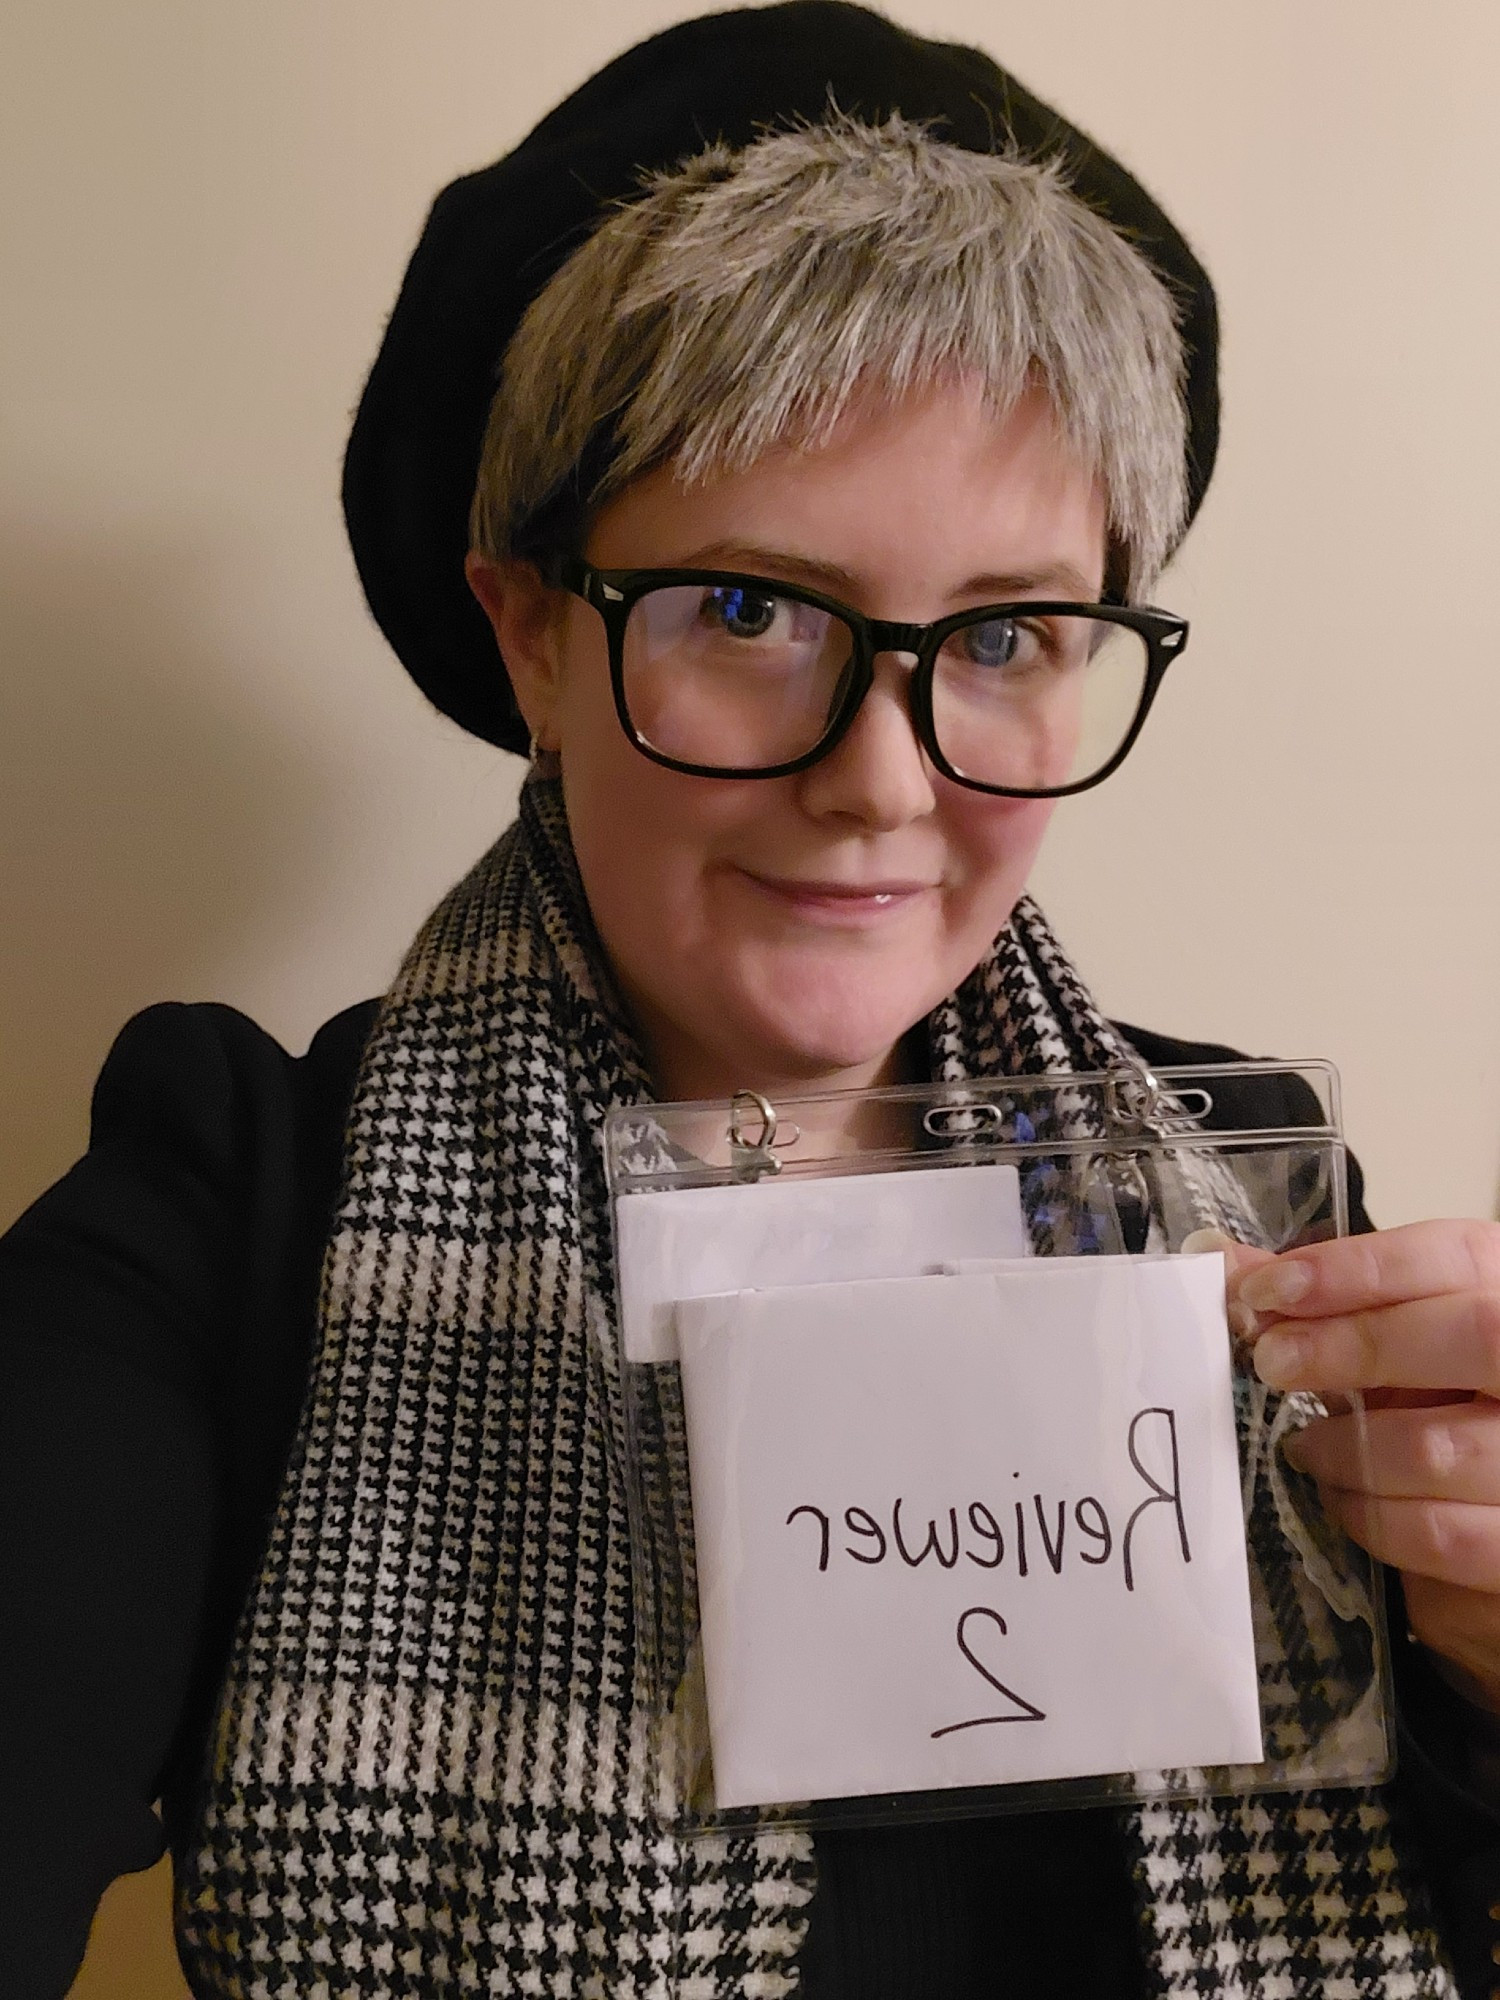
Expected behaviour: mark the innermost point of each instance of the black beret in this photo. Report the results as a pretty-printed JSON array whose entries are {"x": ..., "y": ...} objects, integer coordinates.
[{"x": 495, "y": 237}]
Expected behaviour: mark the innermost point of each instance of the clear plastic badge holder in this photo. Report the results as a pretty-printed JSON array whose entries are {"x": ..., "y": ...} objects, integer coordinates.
[{"x": 951, "y": 1490}]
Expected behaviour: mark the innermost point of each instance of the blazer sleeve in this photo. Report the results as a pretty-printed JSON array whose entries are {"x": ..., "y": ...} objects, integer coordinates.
[{"x": 155, "y": 1320}]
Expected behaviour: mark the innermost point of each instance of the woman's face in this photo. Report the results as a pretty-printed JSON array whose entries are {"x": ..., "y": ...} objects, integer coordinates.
[{"x": 790, "y": 931}]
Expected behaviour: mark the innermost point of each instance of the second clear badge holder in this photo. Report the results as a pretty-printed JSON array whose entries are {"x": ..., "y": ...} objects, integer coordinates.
[{"x": 951, "y": 1489}]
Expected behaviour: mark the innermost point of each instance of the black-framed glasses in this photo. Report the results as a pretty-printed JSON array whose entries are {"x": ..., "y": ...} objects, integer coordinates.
[{"x": 727, "y": 675}]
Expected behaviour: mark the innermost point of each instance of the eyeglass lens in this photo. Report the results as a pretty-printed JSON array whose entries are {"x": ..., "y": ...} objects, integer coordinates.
[{"x": 731, "y": 677}]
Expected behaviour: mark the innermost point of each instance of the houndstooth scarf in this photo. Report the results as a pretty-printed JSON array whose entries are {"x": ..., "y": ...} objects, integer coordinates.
[{"x": 429, "y": 1774}]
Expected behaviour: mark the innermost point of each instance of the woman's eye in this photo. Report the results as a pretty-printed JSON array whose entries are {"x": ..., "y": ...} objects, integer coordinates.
[
  {"x": 992, "y": 644},
  {"x": 743, "y": 614}
]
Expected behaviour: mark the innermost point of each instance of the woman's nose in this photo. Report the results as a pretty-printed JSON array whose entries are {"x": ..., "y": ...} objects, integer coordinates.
[{"x": 877, "y": 773}]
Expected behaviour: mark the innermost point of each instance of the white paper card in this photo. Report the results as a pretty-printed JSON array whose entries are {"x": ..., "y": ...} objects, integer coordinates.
[
  {"x": 969, "y": 1530},
  {"x": 684, "y": 1243}
]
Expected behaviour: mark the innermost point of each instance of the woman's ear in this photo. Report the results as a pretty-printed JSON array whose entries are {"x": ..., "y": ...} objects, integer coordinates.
[{"x": 527, "y": 617}]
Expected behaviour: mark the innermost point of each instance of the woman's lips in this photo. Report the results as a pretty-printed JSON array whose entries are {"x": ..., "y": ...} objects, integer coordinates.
[{"x": 839, "y": 902}]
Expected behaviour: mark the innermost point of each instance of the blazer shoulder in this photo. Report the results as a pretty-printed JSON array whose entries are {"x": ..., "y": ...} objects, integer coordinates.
[
  {"x": 213, "y": 1153},
  {"x": 198, "y": 1070}
]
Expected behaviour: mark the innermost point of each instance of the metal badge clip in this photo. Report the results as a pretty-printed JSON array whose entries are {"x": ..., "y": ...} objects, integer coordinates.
[
  {"x": 1132, "y": 1098},
  {"x": 750, "y": 1155},
  {"x": 1136, "y": 1101}
]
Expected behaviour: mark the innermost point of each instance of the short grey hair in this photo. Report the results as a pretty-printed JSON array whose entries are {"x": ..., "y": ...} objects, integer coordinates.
[{"x": 741, "y": 301}]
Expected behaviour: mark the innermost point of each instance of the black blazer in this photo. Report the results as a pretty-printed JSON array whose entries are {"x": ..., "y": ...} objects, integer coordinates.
[{"x": 157, "y": 1318}]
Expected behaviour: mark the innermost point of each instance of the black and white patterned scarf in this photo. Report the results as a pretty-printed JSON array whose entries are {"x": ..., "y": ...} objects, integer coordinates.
[{"x": 430, "y": 1772}]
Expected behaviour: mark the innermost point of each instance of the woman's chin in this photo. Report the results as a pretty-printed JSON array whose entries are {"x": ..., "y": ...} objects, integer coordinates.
[
  {"x": 783, "y": 1021},
  {"x": 831, "y": 1047}
]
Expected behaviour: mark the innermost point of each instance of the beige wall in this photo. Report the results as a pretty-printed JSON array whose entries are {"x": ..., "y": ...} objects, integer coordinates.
[{"x": 215, "y": 783}]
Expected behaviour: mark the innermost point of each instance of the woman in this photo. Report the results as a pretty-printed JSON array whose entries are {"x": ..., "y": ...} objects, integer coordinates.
[{"x": 865, "y": 396}]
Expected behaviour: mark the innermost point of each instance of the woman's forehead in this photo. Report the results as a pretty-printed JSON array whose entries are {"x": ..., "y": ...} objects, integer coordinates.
[{"x": 935, "y": 483}]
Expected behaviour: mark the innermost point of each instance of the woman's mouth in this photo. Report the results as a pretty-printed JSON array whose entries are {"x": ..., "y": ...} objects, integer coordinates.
[{"x": 838, "y": 902}]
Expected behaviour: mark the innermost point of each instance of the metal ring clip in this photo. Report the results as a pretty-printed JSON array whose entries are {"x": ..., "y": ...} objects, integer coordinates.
[
  {"x": 750, "y": 1157},
  {"x": 1136, "y": 1100},
  {"x": 764, "y": 1108},
  {"x": 1132, "y": 1097}
]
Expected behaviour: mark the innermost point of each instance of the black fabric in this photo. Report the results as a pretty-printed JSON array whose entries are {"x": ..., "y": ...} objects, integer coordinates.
[
  {"x": 156, "y": 1312},
  {"x": 1038, "y": 1907},
  {"x": 156, "y": 1309},
  {"x": 1460, "y": 1838},
  {"x": 495, "y": 237}
]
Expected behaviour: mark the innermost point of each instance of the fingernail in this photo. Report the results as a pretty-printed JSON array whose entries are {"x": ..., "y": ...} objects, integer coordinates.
[
  {"x": 1244, "y": 1324},
  {"x": 1202, "y": 1241},
  {"x": 1279, "y": 1357},
  {"x": 1274, "y": 1287}
]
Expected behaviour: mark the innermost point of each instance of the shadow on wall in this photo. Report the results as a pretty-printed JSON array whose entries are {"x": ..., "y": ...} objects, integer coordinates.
[{"x": 148, "y": 816}]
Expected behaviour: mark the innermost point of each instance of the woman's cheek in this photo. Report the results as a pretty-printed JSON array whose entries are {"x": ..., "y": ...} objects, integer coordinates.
[{"x": 998, "y": 840}]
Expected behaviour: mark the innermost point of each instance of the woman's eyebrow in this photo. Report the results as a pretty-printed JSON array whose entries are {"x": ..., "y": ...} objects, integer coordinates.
[
  {"x": 1062, "y": 580},
  {"x": 784, "y": 563},
  {"x": 1050, "y": 580}
]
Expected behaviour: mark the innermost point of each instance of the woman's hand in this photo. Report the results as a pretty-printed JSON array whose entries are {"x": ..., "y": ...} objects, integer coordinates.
[{"x": 1411, "y": 1318}]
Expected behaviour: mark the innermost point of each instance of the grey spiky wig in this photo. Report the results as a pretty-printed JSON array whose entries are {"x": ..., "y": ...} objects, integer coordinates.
[{"x": 742, "y": 301}]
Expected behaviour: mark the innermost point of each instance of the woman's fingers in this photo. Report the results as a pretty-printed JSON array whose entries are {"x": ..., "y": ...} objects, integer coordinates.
[
  {"x": 1409, "y": 1319},
  {"x": 1451, "y": 1541},
  {"x": 1451, "y": 1452},
  {"x": 1447, "y": 1341},
  {"x": 1354, "y": 1274},
  {"x": 1419, "y": 1488}
]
